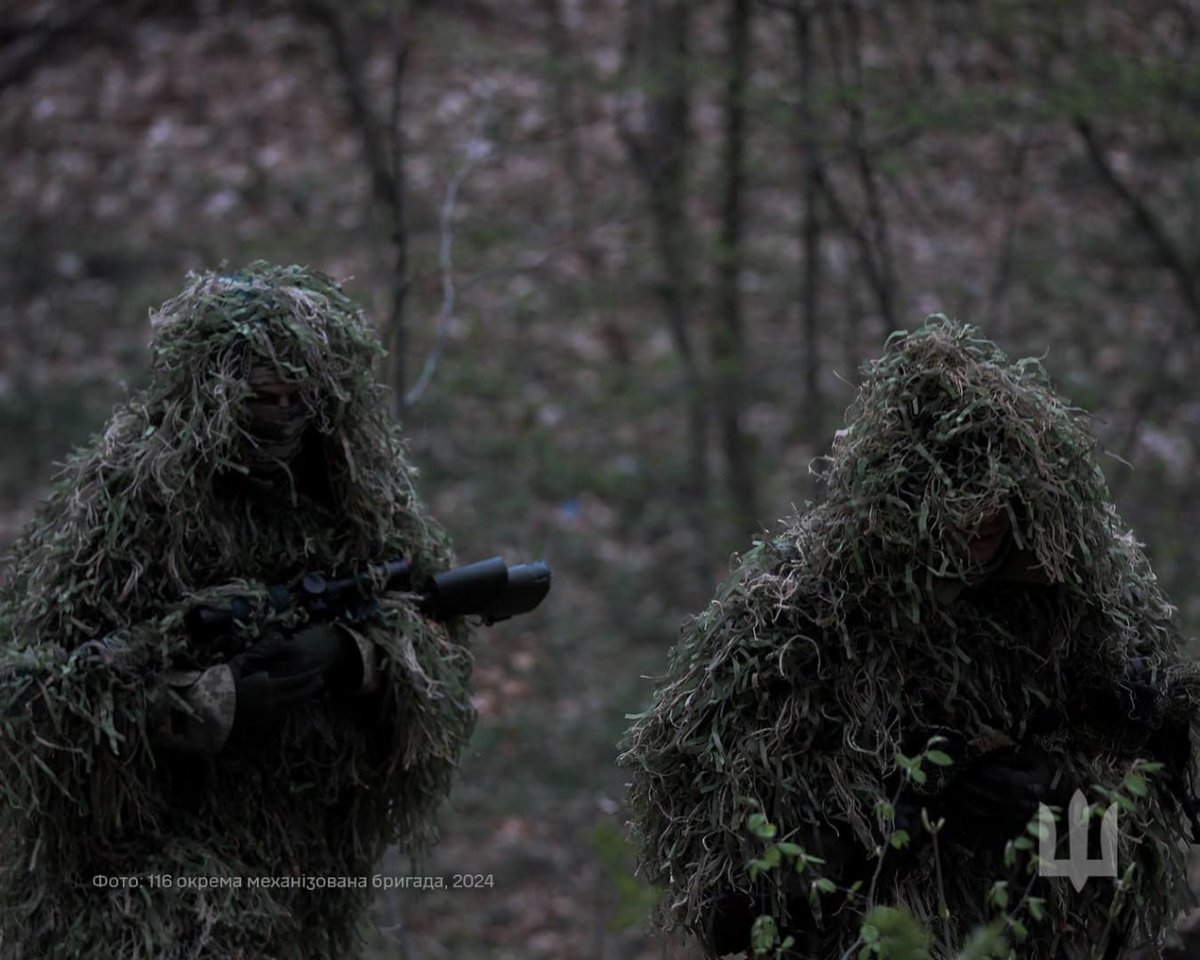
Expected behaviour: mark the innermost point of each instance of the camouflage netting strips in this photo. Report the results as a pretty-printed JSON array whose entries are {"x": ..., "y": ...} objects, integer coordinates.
[
  {"x": 146, "y": 522},
  {"x": 844, "y": 639}
]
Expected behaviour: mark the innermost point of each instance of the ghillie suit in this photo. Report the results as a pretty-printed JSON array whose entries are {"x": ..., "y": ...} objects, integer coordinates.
[
  {"x": 159, "y": 514},
  {"x": 868, "y": 625}
]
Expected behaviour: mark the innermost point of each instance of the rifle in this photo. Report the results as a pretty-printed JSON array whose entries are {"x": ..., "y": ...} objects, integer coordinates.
[{"x": 489, "y": 589}]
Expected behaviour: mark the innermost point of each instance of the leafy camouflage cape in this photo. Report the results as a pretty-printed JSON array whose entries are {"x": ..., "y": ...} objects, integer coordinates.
[
  {"x": 846, "y": 639},
  {"x": 151, "y": 519}
]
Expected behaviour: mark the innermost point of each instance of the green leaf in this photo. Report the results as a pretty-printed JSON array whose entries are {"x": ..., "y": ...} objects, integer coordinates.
[
  {"x": 825, "y": 885},
  {"x": 985, "y": 942},
  {"x": 939, "y": 758},
  {"x": 760, "y": 826},
  {"x": 1136, "y": 784},
  {"x": 763, "y": 935},
  {"x": 899, "y": 840}
]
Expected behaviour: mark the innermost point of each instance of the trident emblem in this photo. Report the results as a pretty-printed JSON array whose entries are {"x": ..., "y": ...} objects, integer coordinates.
[{"x": 1077, "y": 867}]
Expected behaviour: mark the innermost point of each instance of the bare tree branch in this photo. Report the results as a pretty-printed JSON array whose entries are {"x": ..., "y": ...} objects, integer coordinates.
[
  {"x": 348, "y": 58},
  {"x": 401, "y": 43},
  {"x": 1142, "y": 407},
  {"x": 880, "y": 242},
  {"x": 1169, "y": 255},
  {"x": 383, "y": 149},
  {"x": 478, "y": 149},
  {"x": 1171, "y": 258},
  {"x": 564, "y": 92},
  {"x": 1012, "y": 201}
]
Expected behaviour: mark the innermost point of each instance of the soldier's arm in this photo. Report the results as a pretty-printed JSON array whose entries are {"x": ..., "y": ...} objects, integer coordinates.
[
  {"x": 200, "y": 709},
  {"x": 196, "y": 711}
]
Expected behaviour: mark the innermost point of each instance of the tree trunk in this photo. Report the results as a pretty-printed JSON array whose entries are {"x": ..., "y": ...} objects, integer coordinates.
[
  {"x": 657, "y": 36},
  {"x": 814, "y": 404},
  {"x": 728, "y": 342}
]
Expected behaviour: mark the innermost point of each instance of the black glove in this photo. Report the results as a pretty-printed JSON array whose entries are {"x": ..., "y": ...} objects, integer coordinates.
[
  {"x": 263, "y": 700},
  {"x": 994, "y": 796},
  {"x": 282, "y": 671}
]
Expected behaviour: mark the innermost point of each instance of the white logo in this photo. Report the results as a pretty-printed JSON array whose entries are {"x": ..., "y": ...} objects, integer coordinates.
[{"x": 1077, "y": 867}]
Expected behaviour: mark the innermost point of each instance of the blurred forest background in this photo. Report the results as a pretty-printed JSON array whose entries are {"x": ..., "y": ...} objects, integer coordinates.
[{"x": 628, "y": 258}]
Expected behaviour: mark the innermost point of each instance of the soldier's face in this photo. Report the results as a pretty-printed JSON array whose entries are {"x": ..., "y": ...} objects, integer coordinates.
[
  {"x": 988, "y": 537},
  {"x": 276, "y": 419}
]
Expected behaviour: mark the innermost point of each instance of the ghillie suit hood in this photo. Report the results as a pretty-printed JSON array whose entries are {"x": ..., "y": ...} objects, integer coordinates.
[
  {"x": 864, "y": 627},
  {"x": 156, "y": 516}
]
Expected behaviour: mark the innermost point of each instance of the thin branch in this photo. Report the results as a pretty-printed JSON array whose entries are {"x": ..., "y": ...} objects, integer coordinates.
[
  {"x": 478, "y": 149},
  {"x": 1169, "y": 255},
  {"x": 1142, "y": 408},
  {"x": 877, "y": 217},
  {"x": 873, "y": 247},
  {"x": 401, "y": 35},
  {"x": 383, "y": 148},
  {"x": 349, "y": 66},
  {"x": 1012, "y": 201},
  {"x": 564, "y": 72}
]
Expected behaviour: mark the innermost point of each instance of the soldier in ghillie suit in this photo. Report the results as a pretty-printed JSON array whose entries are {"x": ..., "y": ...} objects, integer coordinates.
[
  {"x": 968, "y": 577},
  {"x": 283, "y": 753}
]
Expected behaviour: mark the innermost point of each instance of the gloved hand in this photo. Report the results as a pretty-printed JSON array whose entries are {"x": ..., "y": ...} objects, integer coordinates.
[
  {"x": 263, "y": 700},
  {"x": 995, "y": 795},
  {"x": 282, "y": 671}
]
